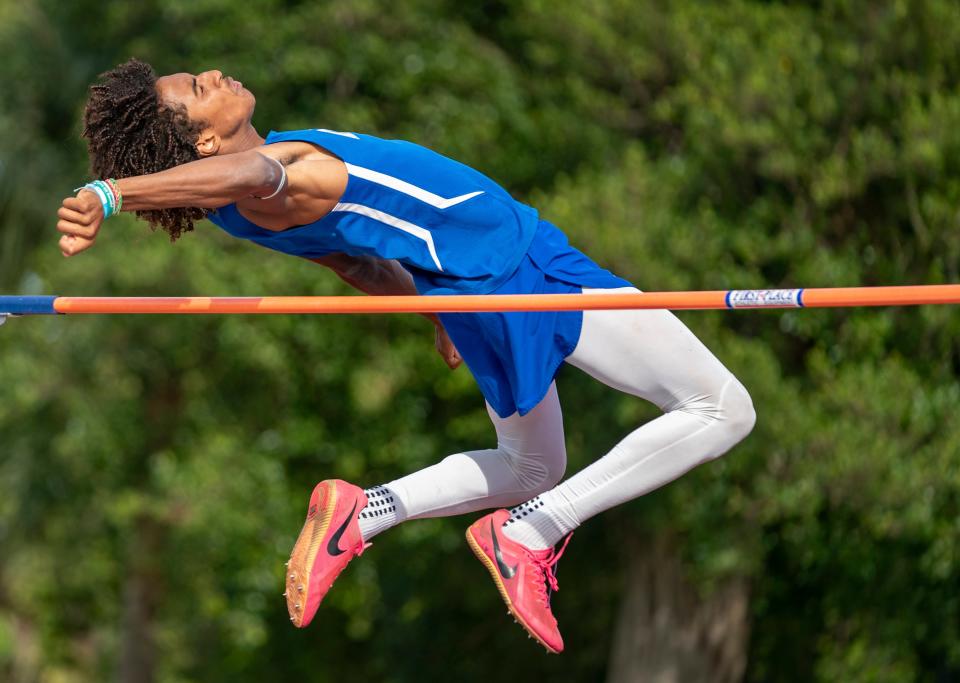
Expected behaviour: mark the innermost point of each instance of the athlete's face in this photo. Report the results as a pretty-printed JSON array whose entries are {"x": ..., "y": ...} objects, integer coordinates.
[{"x": 222, "y": 104}]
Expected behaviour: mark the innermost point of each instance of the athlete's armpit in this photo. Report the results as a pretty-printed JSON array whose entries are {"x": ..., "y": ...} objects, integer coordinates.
[{"x": 313, "y": 187}]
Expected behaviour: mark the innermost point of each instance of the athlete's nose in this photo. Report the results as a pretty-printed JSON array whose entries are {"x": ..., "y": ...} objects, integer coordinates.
[{"x": 211, "y": 78}]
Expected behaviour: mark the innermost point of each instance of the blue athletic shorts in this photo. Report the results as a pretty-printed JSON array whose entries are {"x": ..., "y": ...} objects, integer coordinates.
[{"x": 515, "y": 356}]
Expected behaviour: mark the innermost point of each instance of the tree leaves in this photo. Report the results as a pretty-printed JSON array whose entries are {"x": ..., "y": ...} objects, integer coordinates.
[{"x": 733, "y": 145}]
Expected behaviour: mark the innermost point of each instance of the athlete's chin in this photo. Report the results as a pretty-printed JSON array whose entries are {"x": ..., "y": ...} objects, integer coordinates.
[{"x": 249, "y": 103}]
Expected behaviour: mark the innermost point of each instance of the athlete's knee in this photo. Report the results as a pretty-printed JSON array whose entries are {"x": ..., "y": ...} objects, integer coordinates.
[
  {"x": 735, "y": 417},
  {"x": 537, "y": 471},
  {"x": 727, "y": 410},
  {"x": 739, "y": 415},
  {"x": 556, "y": 466}
]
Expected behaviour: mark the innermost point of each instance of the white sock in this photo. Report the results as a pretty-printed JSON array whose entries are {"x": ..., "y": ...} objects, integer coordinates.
[
  {"x": 380, "y": 513},
  {"x": 536, "y": 524}
]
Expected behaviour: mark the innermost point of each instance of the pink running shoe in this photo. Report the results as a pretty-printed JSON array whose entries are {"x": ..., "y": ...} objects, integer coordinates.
[
  {"x": 524, "y": 577},
  {"x": 330, "y": 538}
]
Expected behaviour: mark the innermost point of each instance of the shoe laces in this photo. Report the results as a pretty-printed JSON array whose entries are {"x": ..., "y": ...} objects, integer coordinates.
[{"x": 545, "y": 565}]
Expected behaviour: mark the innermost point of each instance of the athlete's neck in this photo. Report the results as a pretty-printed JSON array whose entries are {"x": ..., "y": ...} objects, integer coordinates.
[{"x": 247, "y": 138}]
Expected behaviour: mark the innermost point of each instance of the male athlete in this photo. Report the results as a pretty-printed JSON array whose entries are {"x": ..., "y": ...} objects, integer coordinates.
[{"x": 391, "y": 217}]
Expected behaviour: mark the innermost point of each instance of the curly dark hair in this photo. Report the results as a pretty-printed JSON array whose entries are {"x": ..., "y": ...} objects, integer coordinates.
[{"x": 131, "y": 132}]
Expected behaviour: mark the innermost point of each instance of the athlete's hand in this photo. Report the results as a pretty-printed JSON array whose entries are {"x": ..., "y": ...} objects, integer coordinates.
[
  {"x": 446, "y": 349},
  {"x": 80, "y": 219}
]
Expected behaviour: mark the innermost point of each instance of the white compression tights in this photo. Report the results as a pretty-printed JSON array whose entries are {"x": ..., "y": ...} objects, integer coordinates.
[{"x": 649, "y": 354}]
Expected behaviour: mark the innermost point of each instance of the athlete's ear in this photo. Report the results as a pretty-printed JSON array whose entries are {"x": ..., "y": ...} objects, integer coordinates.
[{"x": 208, "y": 143}]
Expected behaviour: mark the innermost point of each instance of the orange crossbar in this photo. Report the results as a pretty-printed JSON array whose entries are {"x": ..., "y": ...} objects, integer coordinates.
[{"x": 774, "y": 298}]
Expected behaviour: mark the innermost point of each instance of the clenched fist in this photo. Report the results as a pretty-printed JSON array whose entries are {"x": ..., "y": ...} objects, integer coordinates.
[
  {"x": 446, "y": 349},
  {"x": 80, "y": 219}
]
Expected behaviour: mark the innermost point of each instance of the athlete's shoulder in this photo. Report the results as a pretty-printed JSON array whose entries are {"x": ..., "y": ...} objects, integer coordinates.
[
  {"x": 315, "y": 133},
  {"x": 345, "y": 138}
]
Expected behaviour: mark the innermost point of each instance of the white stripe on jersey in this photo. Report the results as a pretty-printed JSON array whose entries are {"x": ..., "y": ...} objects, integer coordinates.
[
  {"x": 337, "y": 132},
  {"x": 393, "y": 221},
  {"x": 407, "y": 188}
]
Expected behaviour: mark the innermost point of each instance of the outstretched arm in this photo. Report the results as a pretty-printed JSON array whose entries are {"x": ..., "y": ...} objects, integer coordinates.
[
  {"x": 207, "y": 183},
  {"x": 387, "y": 278},
  {"x": 370, "y": 275}
]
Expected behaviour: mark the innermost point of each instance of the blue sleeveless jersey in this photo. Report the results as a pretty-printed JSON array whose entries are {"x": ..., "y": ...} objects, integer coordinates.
[{"x": 454, "y": 229}]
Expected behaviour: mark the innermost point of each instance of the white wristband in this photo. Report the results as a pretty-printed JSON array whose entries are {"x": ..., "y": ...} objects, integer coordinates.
[{"x": 283, "y": 181}]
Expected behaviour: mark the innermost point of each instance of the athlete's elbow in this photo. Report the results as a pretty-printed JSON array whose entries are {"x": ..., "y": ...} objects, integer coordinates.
[{"x": 256, "y": 175}]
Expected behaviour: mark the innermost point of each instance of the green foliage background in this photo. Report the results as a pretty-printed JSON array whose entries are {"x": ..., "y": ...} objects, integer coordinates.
[{"x": 683, "y": 144}]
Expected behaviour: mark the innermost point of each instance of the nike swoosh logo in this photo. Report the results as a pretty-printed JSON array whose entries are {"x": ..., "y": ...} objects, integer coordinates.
[
  {"x": 333, "y": 546},
  {"x": 506, "y": 571}
]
